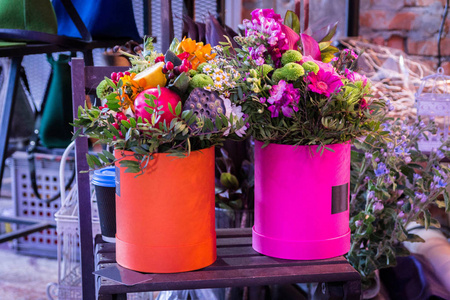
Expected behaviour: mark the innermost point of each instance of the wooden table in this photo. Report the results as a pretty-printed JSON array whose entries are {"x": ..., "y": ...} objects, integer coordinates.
[{"x": 238, "y": 264}]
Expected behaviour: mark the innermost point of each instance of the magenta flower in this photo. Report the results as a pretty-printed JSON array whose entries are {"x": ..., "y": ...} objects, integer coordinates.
[
  {"x": 267, "y": 13},
  {"x": 354, "y": 77},
  {"x": 267, "y": 28},
  {"x": 324, "y": 83},
  {"x": 284, "y": 98}
]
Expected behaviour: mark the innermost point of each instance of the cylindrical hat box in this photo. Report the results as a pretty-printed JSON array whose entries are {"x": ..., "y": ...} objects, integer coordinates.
[
  {"x": 104, "y": 181},
  {"x": 165, "y": 217},
  {"x": 301, "y": 201}
]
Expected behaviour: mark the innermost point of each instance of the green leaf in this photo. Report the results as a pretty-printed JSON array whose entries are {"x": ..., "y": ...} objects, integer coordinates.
[
  {"x": 108, "y": 154},
  {"x": 133, "y": 122},
  {"x": 447, "y": 201},
  {"x": 130, "y": 165},
  {"x": 170, "y": 108},
  {"x": 292, "y": 21},
  {"x": 90, "y": 161},
  {"x": 96, "y": 160},
  {"x": 427, "y": 216},
  {"x": 218, "y": 122},
  {"x": 103, "y": 157},
  {"x": 414, "y": 238},
  {"x": 178, "y": 109},
  {"x": 125, "y": 123}
]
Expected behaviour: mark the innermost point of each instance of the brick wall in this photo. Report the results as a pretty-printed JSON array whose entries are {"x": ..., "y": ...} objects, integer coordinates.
[{"x": 409, "y": 25}]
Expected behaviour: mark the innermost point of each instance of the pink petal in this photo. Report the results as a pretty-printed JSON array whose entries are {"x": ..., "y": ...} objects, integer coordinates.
[
  {"x": 310, "y": 47},
  {"x": 292, "y": 37}
]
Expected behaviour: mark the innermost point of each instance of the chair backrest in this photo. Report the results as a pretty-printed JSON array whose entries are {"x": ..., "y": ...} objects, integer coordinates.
[{"x": 84, "y": 81}]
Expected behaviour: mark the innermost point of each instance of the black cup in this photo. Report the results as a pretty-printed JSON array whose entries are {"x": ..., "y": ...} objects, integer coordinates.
[{"x": 105, "y": 190}]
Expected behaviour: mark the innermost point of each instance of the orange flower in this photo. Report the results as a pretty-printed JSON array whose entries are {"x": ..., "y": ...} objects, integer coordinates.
[
  {"x": 198, "y": 53},
  {"x": 130, "y": 89}
]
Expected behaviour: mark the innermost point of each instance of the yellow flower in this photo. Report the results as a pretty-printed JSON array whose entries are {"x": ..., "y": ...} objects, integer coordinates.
[
  {"x": 130, "y": 89},
  {"x": 198, "y": 53}
]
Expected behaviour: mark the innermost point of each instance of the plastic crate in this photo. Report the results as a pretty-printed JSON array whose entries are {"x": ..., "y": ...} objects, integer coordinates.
[{"x": 43, "y": 243}]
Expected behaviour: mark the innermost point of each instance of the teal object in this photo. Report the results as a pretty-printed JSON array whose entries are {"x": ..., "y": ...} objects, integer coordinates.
[{"x": 55, "y": 129}]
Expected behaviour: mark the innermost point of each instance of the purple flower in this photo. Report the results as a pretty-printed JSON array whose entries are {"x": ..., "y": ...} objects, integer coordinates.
[
  {"x": 390, "y": 145},
  {"x": 370, "y": 195},
  {"x": 401, "y": 214},
  {"x": 368, "y": 155},
  {"x": 324, "y": 83},
  {"x": 439, "y": 154},
  {"x": 400, "y": 202},
  {"x": 421, "y": 197},
  {"x": 359, "y": 223},
  {"x": 416, "y": 176},
  {"x": 378, "y": 206},
  {"x": 439, "y": 182},
  {"x": 381, "y": 170},
  {"x": 283, "y": 98}
]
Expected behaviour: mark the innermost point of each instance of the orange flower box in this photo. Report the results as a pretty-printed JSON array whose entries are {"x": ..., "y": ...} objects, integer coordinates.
[{"x": 165, "y": 217}]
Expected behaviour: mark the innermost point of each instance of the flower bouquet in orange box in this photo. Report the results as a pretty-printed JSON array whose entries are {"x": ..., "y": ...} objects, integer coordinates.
[{"x": 163, "y": 118}]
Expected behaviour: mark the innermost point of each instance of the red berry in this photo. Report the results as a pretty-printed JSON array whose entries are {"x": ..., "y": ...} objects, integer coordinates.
[
  {"x": 115, "y": 125},
  {"x": 171, "y": 76},
  {"x": 127, "y": 73},
  {"x": 164, "y": 70},
  {"x": 120, "y": 74},
  {"x": 169, "y": 65},
  {"x": 121, "y": 116},
  {"x": 183, "y": 68},
  {"x": 159, "y": 59},
  {"x": 114, "y": 76},
  {"x": 176, "y": 70}
]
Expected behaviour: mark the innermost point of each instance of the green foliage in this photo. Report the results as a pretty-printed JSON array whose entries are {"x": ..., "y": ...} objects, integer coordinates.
[
  {"x": 393, "y": 183},
  {"x": 290, "y": 72},
  {"x": 200, "y": 81},
  {"x": 310, "y": 66},
  {"x": 234, "y": 184},
  {"x": 184, "y": 134},
  {"x": 291, "y": 56},
  {"x": 292, "y": 21}
]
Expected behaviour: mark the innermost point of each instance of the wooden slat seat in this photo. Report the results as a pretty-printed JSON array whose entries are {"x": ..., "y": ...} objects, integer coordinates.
[{"x": 237, "y": 264}]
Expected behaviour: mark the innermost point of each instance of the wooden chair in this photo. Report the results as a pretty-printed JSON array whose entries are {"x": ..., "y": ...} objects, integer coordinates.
[{"x": 84, "y": 82}]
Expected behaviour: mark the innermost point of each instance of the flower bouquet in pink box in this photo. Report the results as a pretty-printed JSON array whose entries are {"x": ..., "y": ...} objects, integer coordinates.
[{"x": 305, "y": 106}]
